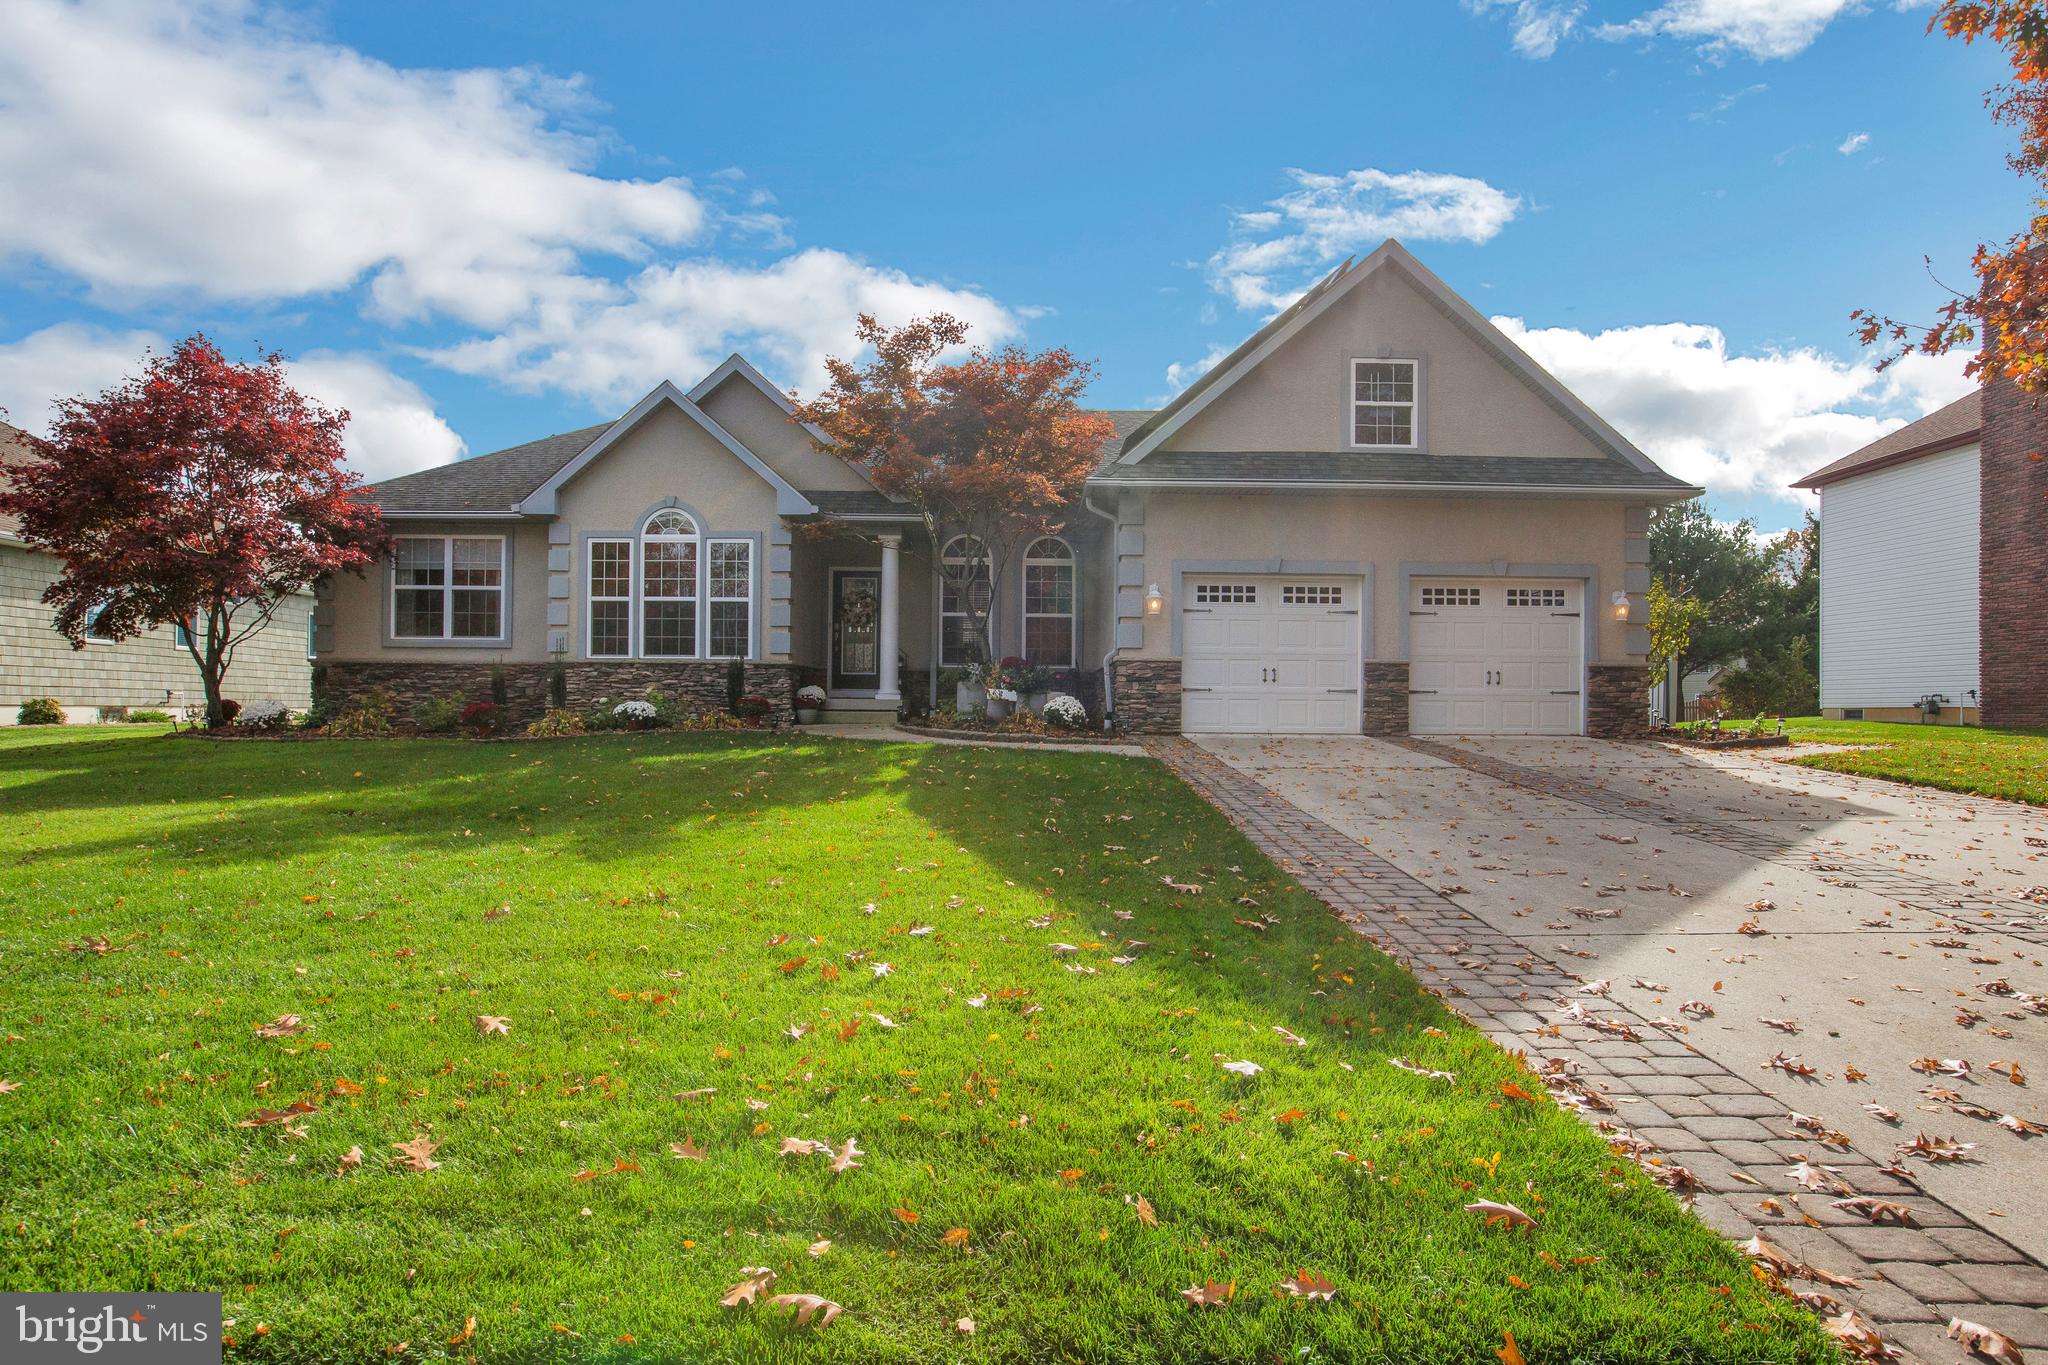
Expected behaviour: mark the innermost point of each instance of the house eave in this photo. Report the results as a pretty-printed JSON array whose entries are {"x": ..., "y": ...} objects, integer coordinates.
[{"x": 1490, "y": 490}]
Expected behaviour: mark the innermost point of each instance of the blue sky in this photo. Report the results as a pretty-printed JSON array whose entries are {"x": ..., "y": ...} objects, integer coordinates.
[{"x": 474, "y": 225}]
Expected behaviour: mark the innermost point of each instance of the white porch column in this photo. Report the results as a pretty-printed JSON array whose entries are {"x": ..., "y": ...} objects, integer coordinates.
[{"x": 888, "y": 689}]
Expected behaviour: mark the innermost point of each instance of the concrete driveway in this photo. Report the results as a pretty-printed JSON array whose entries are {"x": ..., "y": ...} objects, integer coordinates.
[{"x": 1878, "y": 924}]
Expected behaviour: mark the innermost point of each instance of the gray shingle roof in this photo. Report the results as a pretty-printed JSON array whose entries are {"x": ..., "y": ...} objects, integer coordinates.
[
  {"x": 1253, "y": 468},
  {"x": 492, "y": 482},
  {"x": 1943, "y": 429}
]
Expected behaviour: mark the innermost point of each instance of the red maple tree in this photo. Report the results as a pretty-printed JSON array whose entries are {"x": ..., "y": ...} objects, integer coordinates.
[
  {"x": 2005, "y": 314},
  {"x": 992, "y": 447},
  {"x": 202, "y": 492}
]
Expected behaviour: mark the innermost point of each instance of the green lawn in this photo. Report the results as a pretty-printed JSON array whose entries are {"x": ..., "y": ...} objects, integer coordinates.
[
  {"x": 2012, "y": 764},
  {"x": 676, "y": 907}
]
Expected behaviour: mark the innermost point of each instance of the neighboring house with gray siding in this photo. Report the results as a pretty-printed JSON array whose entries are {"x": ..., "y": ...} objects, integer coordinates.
[
  {"x": 1376, "y": 515},
  {"x": 151, "y": 670}
]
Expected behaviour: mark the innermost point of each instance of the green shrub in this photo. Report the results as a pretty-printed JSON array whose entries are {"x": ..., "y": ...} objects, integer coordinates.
[
  {"x": 558, "y": 721},
  {"x": 558, "y": 687},
  {"x": 666, "y": 712},
  {"x": 40, "y": 711},
  {"x": 735, "y": 682},
  {"x": 437, "y": 715},
  {"x": 501, "y": 695},
  {"x": 599, "y": 716},
  {"x": 369, "y": 714},
  {"x": 149, "y": 716}
]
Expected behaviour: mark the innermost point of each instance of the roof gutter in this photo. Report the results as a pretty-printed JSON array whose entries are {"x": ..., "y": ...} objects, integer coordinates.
[
  {"x": 1821, "y": 478},
  {"x": 1676, "y": 492}
]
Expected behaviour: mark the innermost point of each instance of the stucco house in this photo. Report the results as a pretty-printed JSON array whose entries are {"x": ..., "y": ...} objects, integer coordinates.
[
  {"x": 1899, "y": 562},
  {"x": 1376, "y": 515},
  {"x": 107, "y": 677}
]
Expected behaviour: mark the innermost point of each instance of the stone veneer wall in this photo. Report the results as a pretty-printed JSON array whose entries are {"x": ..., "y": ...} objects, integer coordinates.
[
  {"x": 1147, "y": 695},
  {"x": 1386, "y": 697},
  {"x": 697, "y": 682},
  {"x": 2012, "y": 559},
  {"x": 1617, "y": 705}
]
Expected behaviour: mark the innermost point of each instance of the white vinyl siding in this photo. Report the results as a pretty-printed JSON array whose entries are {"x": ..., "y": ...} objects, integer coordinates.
[{"x": 1898, "y": 583}]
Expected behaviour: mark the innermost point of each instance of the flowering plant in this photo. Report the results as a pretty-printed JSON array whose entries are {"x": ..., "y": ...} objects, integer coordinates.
[
  {"x": 810, "y": 695},
  {"x": 752, "y": 707},
  {"x": 1064, "y": 710},
  {"x": 264, "y": 715},
  {"x": 630, "y": 711},
  {"x": 484, "y": 717}
]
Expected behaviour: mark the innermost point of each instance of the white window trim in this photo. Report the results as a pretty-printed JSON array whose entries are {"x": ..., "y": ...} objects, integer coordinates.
[
  {"x": 448, "y": 589},
  {"x": 695, "y": 538},
  {"x": 1072, "y": 615},
  {"x": 590, "y": 597},
  {"x": 947, "y": 556},
  {"x": 1354, "y": 402},
  {"x": 92, "y": 617},
  {"x": 709, "y": 598}
]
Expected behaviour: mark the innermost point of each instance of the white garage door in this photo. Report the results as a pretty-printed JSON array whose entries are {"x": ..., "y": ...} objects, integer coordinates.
[
  {"x": 1495, "y": 656},
  {"x": 1269, "y": 654}
]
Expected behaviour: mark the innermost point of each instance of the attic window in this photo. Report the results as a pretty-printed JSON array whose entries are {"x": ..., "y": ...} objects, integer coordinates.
[{"x": 1383, "y": 402}]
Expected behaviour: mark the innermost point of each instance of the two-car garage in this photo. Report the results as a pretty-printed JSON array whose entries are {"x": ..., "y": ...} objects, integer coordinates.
[{"x": 1284, "y": 654}]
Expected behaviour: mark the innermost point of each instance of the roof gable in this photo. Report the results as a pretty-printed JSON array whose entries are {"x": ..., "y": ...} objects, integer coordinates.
[
  {"x": 542, "y": 500},
  {"x": 1390, "y": 258}
]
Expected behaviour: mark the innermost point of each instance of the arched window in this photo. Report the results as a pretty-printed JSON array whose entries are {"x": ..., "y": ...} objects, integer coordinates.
[
  {"x": 668, "y": 586},
  {"x": 959, "y": 587},
  {"x": 1049, "y": 603}
]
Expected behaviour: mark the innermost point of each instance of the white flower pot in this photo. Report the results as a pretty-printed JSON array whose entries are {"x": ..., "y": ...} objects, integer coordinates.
[
  {"x": 806, "y": 715},
  {"x": 999, "y": 706},
  {"x": 968, "y": 698},
  {"x": 1036, "y": 701}
]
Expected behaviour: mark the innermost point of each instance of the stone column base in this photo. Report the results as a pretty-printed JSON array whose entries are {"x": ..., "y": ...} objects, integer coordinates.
[
  {"x": 1146, "y": 695},
  {"x": 1617, "y": 701},
  {"x": 1386, "y": 697}
]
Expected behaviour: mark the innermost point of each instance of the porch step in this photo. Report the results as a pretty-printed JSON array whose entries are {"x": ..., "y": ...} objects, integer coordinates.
[{"x": 859, "y": 711}]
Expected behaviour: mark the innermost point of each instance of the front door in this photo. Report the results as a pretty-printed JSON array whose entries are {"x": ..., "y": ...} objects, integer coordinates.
[{"x": 856, "y": 630}]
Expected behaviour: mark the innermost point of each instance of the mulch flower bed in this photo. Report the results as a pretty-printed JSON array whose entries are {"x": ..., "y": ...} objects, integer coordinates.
[
  {"x": 1005, "y": 736},
  {"x": 1722, "y": 741}
]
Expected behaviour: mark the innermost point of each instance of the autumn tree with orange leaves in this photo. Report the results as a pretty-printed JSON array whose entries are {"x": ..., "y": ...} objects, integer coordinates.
[
  {"x": 992, "y": 446},
  {"x": 2005, "y": 316}
]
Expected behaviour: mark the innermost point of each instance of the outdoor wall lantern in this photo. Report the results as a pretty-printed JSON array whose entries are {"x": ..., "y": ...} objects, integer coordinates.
[
  {"x": 1155, "y": 601},
  {"x": 1621, "y": 606}
]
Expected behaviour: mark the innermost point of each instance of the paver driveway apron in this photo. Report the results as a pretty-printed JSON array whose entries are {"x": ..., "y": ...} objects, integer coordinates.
[{"x": 1884, "y": 923}]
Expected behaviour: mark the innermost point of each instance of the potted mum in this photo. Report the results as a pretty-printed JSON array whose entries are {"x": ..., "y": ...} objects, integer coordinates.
[
  {"x": 484, "y": 717},
  {"x": 752, "y": 707},
  {"x": 636, "y": 715},
  {"x": 810, "y": 700}
]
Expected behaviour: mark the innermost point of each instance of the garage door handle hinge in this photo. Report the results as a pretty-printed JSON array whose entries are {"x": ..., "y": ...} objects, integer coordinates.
[
  {"x": 1422, "y": 613},
  {"x": 1198, "y": 689},
  {"x": 1348, "y": 691},
  {"x": 1564, "y": 613},
  {"x": 1346, "y": 611},
  {"x": 1196, "y": 611},
  {"x": 1422, "y": 691},
  {"x": 1556, "y": 693}
]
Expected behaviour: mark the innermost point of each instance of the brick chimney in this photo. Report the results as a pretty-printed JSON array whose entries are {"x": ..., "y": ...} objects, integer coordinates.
[{"x": 2012, "y": 558}]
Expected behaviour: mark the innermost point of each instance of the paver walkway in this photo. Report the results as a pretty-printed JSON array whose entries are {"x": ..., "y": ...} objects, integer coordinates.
[{"x": 1731, "y": 1141}]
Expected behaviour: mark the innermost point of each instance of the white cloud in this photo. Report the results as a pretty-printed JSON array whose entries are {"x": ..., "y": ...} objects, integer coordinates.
[
  {"x": 1327, "y": 217},
  {"x": 1735, "y": 423},
  {"x": 1182, "y": 373},
  {"x": 1538, "y": 26},
  {"x": 678, "y": 321},
  {"x": 272, "y": 166},
  {"x": 1854, "y": 143},
  {"x": 1762, "y": 29},
  {"x": 392, "y": 426}
]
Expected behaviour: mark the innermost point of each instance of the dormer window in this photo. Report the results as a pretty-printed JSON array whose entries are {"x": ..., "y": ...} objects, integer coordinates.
[{"x": 1383, "y": 399}]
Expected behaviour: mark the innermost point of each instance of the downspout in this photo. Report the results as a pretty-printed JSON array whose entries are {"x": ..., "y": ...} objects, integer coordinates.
[{"x": 1108, "y": 696}]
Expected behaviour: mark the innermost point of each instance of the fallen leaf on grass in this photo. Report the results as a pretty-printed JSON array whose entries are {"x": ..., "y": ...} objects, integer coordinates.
[
  {"x": 758, "y": 1280},
  {"x": 817, "y": 1249},
  {"x": 796, "y": 1146},
  {"x": 1143, "y": 1207},
  {"x": 964, "y": 1326},
  {"x": 488, "y": 1024},
  {"x": 1308, "y": 1285},
  {"x": 468, "y": 1331},
  {"x": 418, "y": 1154},
  {"x": 906, "y": 1215},
  {"x": 1210, "y": 1295},
  {"x": 284, "y": 1026},
  {"x": 619, "y": 1166},
  {"x": 1509, "y": 1353},
  {"x": 1506, "y": 1214},
  {"x": 350, "y": 1159},
  {"x": 807, "y": 1307},
  {"x": 955, "y": 1237},
  {"x": 686, "y": 1150},
  {"x": 1298, "y": 1042},
  {"x": 1241, "y": 1068},
  {"x": 1404, "y": 1064},
  {"x": 843, "y": 1159}
]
